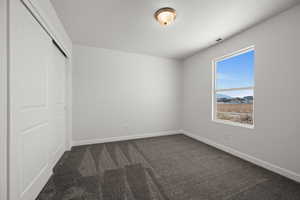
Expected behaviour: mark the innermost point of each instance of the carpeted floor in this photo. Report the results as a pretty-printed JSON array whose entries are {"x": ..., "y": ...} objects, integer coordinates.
[{"x": 162, "y": 168}]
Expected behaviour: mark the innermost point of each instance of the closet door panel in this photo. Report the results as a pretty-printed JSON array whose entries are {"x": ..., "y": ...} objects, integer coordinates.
[
  {"x": 57, "y": 103},
  {"x": 37, "y": 134}
]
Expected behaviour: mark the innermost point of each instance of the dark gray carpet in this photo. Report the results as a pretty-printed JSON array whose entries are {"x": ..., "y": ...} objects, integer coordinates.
[{"x": 162, "y": 168}]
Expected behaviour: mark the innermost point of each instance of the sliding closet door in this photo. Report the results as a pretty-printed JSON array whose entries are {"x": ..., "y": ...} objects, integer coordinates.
[
  {"x": 37, "y": 98},
  {"x": 57, "y": 96}
]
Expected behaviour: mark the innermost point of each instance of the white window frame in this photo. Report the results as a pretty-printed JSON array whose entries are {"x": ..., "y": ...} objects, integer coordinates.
[{"x": 214, "y": 90}]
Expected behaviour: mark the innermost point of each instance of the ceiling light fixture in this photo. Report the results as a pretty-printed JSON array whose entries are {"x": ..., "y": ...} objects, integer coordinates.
[{"x": 165, "y": 16}]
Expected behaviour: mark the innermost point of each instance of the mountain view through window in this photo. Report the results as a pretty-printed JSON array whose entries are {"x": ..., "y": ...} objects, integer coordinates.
[{"x": 234, "y": 84}]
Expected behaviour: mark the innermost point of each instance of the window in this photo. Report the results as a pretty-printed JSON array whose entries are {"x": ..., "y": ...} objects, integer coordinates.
[{"x": 233, "y": 88}]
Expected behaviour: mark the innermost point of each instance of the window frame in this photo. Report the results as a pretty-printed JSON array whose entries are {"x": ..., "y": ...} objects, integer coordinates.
[{"x": 214, "y": 90}]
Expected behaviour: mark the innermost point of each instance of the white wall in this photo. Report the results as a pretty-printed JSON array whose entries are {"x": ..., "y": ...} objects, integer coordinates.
[
  {"x": 121, "y": 94},
  {"x": 276, "y": 136}
]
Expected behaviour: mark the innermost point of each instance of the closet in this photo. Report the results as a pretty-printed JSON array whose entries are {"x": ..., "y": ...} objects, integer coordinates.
[{"x": 37, "y": 96}]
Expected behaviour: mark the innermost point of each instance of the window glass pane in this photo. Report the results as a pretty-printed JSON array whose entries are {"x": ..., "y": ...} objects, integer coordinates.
[
  {"x": 235, "y": 106},
  {"x": 235, "y": 72}
]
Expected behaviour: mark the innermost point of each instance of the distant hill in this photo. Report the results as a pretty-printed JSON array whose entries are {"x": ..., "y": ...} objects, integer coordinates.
[
  {"x": 219, "y": 96},
  {"x": 249, "y": 98}
]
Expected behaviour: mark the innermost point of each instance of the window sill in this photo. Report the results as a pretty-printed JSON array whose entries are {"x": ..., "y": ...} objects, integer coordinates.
[{"x": 233, "y": 123}]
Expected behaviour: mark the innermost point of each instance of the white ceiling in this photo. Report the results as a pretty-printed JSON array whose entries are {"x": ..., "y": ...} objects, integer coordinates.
[{"x": 129, "y": 25}]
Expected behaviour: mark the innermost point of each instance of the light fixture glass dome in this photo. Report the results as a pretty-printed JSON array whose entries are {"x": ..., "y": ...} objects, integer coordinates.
[{"x": 165, "y": 16}]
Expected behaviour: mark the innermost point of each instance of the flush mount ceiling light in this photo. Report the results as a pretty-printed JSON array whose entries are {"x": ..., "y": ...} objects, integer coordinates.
[{"x": 165, "y": 16}]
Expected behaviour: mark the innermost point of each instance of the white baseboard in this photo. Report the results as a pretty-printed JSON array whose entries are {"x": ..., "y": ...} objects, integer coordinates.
[
  {"x": 279, "y": 170},
  {"x": 127, "y": 137}
]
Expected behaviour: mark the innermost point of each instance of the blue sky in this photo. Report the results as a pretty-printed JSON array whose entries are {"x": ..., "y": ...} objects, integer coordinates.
[{"x": 236, "y": 72}]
